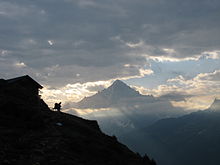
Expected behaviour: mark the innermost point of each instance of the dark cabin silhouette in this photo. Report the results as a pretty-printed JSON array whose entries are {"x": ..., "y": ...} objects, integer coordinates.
[
  {"x": 21, "y": 84},
  {"x": 20, "y": 97}
]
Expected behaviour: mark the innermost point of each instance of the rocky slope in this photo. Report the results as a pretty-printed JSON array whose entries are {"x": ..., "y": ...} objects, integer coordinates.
[
  {"x": 191, "y": 139},
  {"x": 32, "y": 134}
]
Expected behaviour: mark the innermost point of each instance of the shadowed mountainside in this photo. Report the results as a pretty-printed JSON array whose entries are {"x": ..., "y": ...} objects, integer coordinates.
[
  {"x": 190, "y": 139},
  {"x": 32, "y": 134}
]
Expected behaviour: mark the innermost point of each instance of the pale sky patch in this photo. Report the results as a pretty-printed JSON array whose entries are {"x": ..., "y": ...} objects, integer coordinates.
[
  {"x": 71, "y": 92},
  {"x": 212, "y": 54},
  {"x": 168, "y": 50},
  {"x": 20, "y": 64},
  {"x": 3, "y": 53},
  {"x": 135, "y": 45},
  {"x": 195, "y": 103},
  {"x": 204, "y": 88},
  {"x": 171, "y": 59},
  {"x": 51, "y": 42},
  {"x": 144, "y": 72}
]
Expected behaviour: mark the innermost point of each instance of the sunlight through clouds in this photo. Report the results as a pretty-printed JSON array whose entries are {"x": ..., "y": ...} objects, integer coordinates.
[
  {"x": 72, "y": 92},
  {"x": 159, "y": 48},
  {"x": 200, "y": 90},
  {"x": 50, "y": 42},
  {"x": 20, "y": 64}
]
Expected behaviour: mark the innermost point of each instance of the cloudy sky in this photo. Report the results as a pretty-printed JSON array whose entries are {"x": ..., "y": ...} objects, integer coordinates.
[{"x": 168, "y": 48}]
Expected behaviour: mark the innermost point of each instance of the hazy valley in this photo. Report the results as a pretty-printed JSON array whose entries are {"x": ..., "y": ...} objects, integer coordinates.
[{"x": 152, "y": 125}]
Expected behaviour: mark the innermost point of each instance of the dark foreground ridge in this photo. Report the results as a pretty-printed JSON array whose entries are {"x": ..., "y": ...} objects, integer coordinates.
[{"x": 32, "y": 134}]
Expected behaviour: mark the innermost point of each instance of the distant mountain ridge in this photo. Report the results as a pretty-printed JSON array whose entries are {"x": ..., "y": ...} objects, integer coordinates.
[
  {"x": 116, "y": 93},
  {"x": 125, "y": 109},
  {"x": 189, "y": 139},
  {"x": 146, "y": 122}
]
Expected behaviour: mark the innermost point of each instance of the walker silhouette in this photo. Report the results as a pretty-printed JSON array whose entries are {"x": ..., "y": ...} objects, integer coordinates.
[{"x": 57, "y": 106}]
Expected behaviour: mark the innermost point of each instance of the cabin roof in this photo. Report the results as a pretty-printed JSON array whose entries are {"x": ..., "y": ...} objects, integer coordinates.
[
  {"x": 22, "y": 78},
  {"x": 2, "y": 81}
]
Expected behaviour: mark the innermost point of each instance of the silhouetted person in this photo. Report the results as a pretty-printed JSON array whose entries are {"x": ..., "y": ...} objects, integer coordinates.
[{"x": 57, "y": 106}]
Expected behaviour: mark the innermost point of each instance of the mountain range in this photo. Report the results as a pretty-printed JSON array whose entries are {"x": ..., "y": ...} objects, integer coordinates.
[
  {"x": 189, "y": 139},
  {"x": 152, "y": 125},
  {"x": 125, "y": 109},
  {"x": 115, "y": 95}
]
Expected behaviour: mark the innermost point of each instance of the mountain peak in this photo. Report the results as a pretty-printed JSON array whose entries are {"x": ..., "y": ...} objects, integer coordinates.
[
  {"x": 119, "y": 83},
  {"x": 120, "y": 89},
  {"x": 110, "y": 96},
  {"x": 215, "y": 105}
]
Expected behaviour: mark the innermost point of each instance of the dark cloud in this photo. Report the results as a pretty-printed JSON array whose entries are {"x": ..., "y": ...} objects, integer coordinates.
[{"x": 88, "y": 36}]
